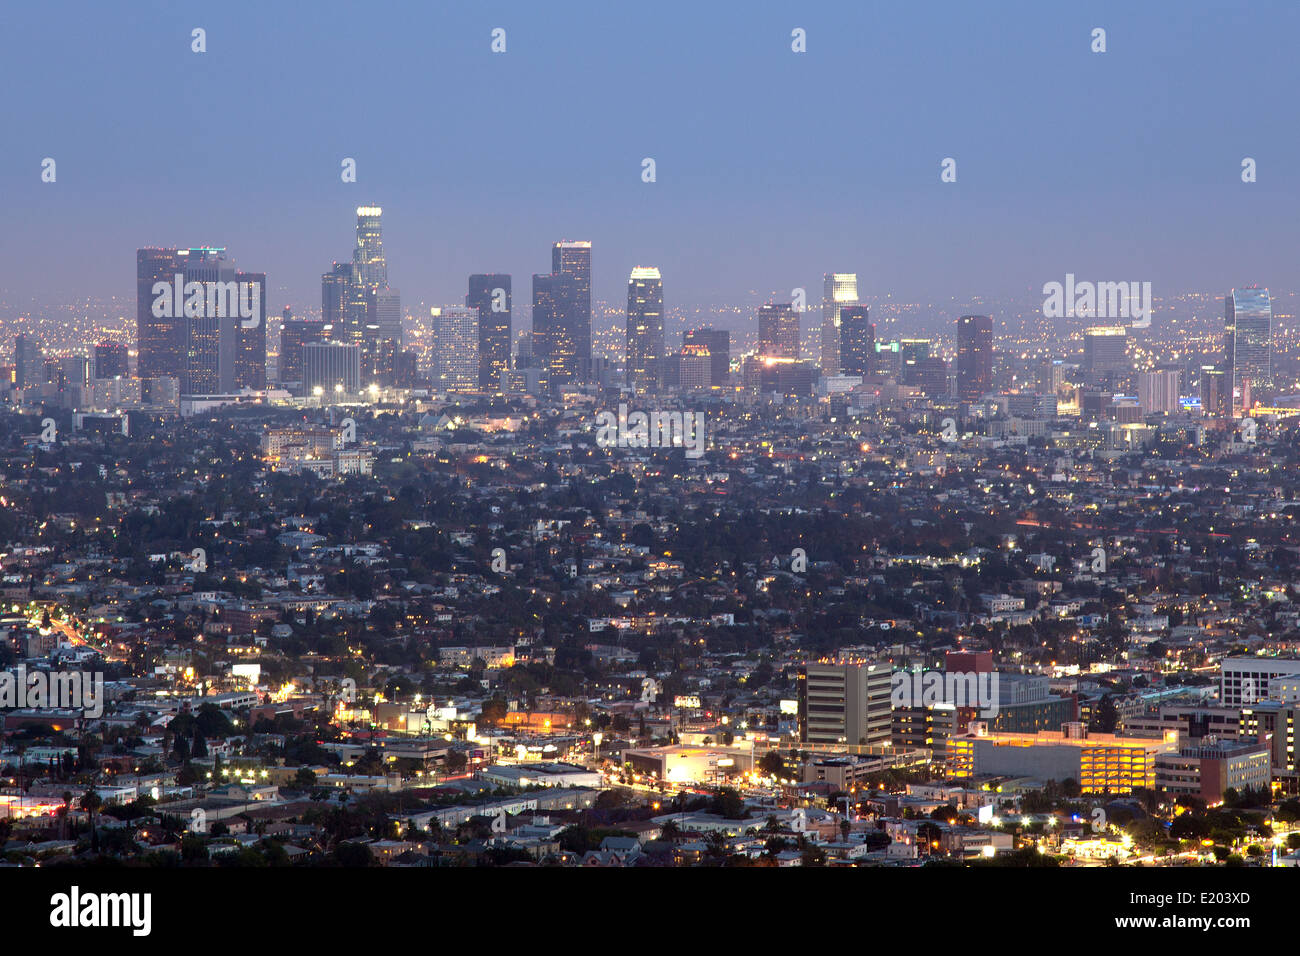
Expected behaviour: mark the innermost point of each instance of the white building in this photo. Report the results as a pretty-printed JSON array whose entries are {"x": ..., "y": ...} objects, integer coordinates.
[{"x": 455, "y": 347}]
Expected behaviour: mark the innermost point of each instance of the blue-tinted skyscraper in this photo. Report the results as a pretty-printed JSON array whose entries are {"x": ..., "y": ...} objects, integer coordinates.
[
  {"x": 1248, "y": 341},
  {"x": 645, "y": 329},
  {"x": 573, "y": 258},
  {"x": 490, "y": 295},
  {"x": 556, "y": 299},
  {"x": 857, "y": 340}
]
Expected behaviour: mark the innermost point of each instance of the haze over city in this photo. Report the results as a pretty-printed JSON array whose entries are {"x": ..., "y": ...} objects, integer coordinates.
[{"x": 771, "y": 168}]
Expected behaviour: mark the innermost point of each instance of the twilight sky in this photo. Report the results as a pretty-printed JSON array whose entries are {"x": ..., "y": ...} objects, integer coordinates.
[{"x": 773, "y": 167}]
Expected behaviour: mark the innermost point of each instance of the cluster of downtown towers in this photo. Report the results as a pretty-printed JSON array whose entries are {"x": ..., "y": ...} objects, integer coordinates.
[{"x": 358, "y": 341}]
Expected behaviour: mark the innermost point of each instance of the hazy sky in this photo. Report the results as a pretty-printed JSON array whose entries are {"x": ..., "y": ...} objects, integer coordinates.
[{"x": 773, "y": 167}]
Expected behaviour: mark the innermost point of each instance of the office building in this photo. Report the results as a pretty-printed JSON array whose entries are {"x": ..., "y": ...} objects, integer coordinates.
[
  {"x": 74, "y": 372},
  {"x": 778, "y": 331},
  {"x": 1158, "y": 391},
  {"x": 455, "y": 347},
  {"x": 645, "y": 329},
  {"x": 1105, "y": 352},
  {"x": 1248, "y": 342},
  {"x": 29, "y": 363},
  {"x": 201, "y": 321},
  {"x": 1216, "y": 392},
  {"x": 111, "y": 360},
  {"x": 490, "y": 294},
  {"x": 555, "y": 340},
  {"x": 889, "y": 361},
  {"x": 331, "y": 368},
  {"x": 1245, "y": 680},
  {"x": 930, "y": 375},
  {"x": 573, "y": 258},
  {"x": 334, "y": 287},
  {"x": 694, "y": 366},
  {"x": 857, "y": 341},
  {"x": 1209, "y": 768},
  {"x": 384, "y": 314},
  {"x": 294, "y": 334},
  {"x": 974, "y": 357},
  {"x": 845, "y": 704},
  {"x": 250, "y": 340},
  {"x": 839, "y": 289},
  {"x": 1274, "y": 723},
  {"x": 369, "y": 273},
  {"x": 718, "y": 343}
]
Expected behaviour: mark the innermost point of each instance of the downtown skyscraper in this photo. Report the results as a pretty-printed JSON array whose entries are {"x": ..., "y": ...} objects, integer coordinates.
[
  {"x": 562, "y": 315},
  {"x": 199, "y": 320},
  {"x": 974, "y": 357},
  {"x": 360, "y": 307},
  {"x": 778, "y": 331},
  {"x": 840, "y": 289},
  {"x": 555, "y": 299},
  {"x": 857, "y": 341},
  {"x": 455, "y": 347},
  {"x": 718, "y": 344},
  {"x": 490, "y": 294},
  {"x": 573, "y": 258},
  {"x": 334, "y": 286},
  {"x": 369, "y": 271},
  {"x": 645, "y": 329},
  {"x": 1248, "y": 342}
]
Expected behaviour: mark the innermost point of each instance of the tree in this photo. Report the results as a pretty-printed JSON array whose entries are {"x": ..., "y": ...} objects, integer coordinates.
[
  {"x": 1106, "y": 718},
  {"x": 729, "y": 805},
  {"x": 771, "y": 764},
  {"x": 354, "y": 854}
]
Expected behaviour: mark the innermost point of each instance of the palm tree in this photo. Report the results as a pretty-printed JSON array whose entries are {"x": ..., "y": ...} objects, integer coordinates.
[{"x": 91, "y": 803}]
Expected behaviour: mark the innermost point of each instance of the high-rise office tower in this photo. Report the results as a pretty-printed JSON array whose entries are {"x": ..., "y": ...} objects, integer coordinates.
[
  {"x": 368, "y": 264},
  {"x": 200, "y": 321},
  {"x": 29, "y": 363},
  {"x": 294, "y": 334},
  {"x": 455, "y": 347},
  {"x": 912, "y": 353},
  {"x": 384, "y": 314},
  {"x": 208, "y": 337},
  {"x": 1216, "y": 392},
  {"x": 555, "y": 347},
  {"x": 931, "y": 377},
  {"x": 974, "y": 356},
  {"x": 1050, "y": 376},
  {"x": 694, "y": 366},
  {"x": 840, "y": 289},
  {"x": 490, "y": 294},
  {"x": 250, "y": 341},
  {"x": 645, "y": 329},
  {"x": 778, "y": 331},
  {"x": 889, "y": 361},
  {"x": 845, "y": 704},
  {"x": 331, "y": 368},
  {"x": 160, "y": 339},
  {"x": 334, "y": 287},
  {"x": 74, "y": 371},
  {"x": 718, "y": 342},
  {"x": 857, "y": 341},
  {"x": 573, "y": 258},
  {"x": 369, "y": 273},
  {"x": 1105, "y": 349},
  {"x": 111, "y": 360},
  {"x": 1248, "y": 341},
  {"x": 1158, "y": 391}
]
